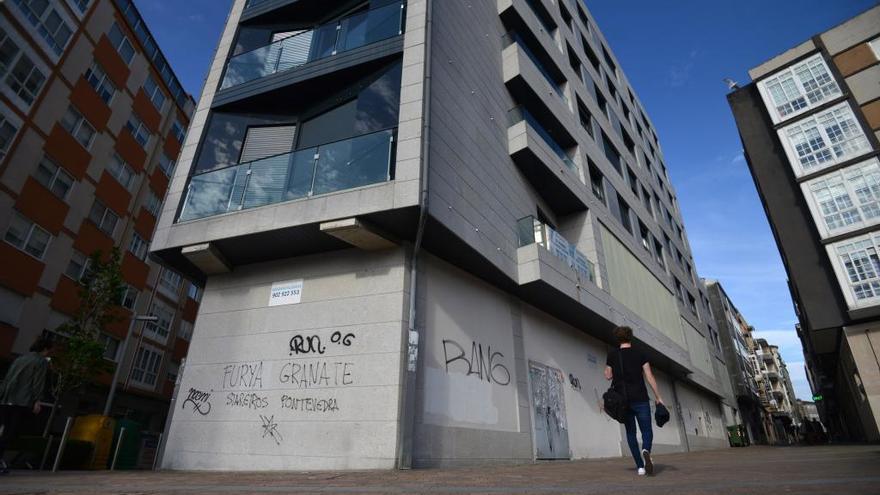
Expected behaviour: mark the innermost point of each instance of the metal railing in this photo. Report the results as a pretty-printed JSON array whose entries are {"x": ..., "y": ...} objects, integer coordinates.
[
  {"x": 354, "y": 162},
  {"x": 533, "y": 231},
  {"x": 313, "y": 44}
]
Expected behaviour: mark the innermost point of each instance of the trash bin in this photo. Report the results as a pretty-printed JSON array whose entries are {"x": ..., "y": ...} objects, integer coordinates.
[
  {"x": 131, "y": 444},
  {"x": 734, "y": 436},
  {"x": 97, "y": 430}
]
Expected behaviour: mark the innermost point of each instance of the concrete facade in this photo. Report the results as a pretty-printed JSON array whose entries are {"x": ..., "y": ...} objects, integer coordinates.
[{"x": 464, "y": 304}]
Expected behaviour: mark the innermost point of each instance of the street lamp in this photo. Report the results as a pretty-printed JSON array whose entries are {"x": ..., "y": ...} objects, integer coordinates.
[{"x": 136, "y": 318}]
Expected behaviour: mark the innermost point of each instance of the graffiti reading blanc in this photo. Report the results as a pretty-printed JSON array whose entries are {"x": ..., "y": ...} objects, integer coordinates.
[
  {"x": 487, "y": 366},
  {"x": 199, "y": 401}
]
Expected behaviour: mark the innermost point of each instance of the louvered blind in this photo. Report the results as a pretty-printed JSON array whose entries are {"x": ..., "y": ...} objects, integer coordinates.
[{"x": 262, "y": 142}]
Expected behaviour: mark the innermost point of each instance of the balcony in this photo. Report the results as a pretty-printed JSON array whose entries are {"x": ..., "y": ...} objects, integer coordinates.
[
  {"x": 347, "y": 164},
  {"x": 306, "y": 46},
  {"x": 532, "y": 231},
  {"x": 773, "y": 375}
]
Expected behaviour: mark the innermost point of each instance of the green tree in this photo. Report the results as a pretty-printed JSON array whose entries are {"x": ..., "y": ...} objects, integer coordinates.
[{"x": 80, "y": 357}]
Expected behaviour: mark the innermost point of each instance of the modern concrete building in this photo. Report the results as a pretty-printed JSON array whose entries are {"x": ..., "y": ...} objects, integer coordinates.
[
  {"x": 739, "y": 347},
  {"x": 418, "y": 223},
  {"x": 91, "y": 120},
  {"x": 809, "y": 123}
]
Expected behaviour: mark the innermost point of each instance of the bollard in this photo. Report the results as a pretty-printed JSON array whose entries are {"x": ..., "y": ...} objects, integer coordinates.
[
  {"x": 61, "y": 445},
  {"x": 156, "y": 457},
  {"x": 118, "y": 446},
  {"x": 46, "y": 452}
]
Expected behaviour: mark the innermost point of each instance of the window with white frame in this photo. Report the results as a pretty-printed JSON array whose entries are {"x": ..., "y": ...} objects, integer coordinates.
[
  {"x": 159, "y": 330},
  {"x": 27, "y": 235},
  {"x": 129, "y": 297},
  {"x": 798, "y": 88},
  {"x": 7, "y": 134},
  {"x": 55, "y": 178},
  {"x": 194, "y": 292},
  {"x": 166, "y": 164},
  {"x": 80, "y": 5},
  {"x": 847, "y": 199},
  {"x": 18, "y": 70},
  {"x": 78, "y": 127},
  {"x": 185, "y": 330},
  {"x": 145, "y": 369},
  {"x": 154, "y": 92},
  {"x": 178, "y": 131},
  {"x": 111, "y": 346},
  {"x": 47, "y": 21},
  {"x": 169, "y": 282},
  {"x": 138, "y": 246},
  {"x": 102, "y": 84},
  {"x": 138, "y": 129},
  {"x": 78, "y": 266},
  {"x": 823, "y": 139},
  {"x": 121, "y": 43},
  {"x": 153, "y": 203},
  {"x": 103, "y": 217},
  {"x": 119, "y": 170},
  {"x": 858, "y": 269}
]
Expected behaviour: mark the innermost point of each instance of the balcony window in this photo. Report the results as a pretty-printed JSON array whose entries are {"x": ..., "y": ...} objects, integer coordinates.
[
  {"x": 78, "y": 266},
  {"x": 154, "y": 92},
  {"x": 121, "y": 171},
  {"x": 298, "y": 48},
  {"x": 121, "y": 43},
  {"x": 7, "y": 134},
  {"x": 98, "y": 80},
  {"x": 847, "y": 199},
  {"x": 166, "y": 165},
  {"x": 27, "y": 235},
  {"x": 798, "y": 88},
  {"x": 153, "y": 204},
  {"x": 129, "y": 297},
  {"x": 78, "y": 127},
  {"x": 857, "y": 265},
  {"x": 824, "y": 139},
  {"x": 597, "y": 183},
  {"x": 145, "y": 369},
  {"x": 48, "y": 23},
  {"x": 55, "y": 178},
  {"x": 104, "y": 218},
  {"x": 178, "y": 131},
  {"x": 532, "y": 231},
  {"x": 611, "y": 153},
  {"x": 138, "y": 130},
  {"x": 138, "y": 246},
  {"x": 170, "y": 282},
  {"x": 18, "y": 70}
]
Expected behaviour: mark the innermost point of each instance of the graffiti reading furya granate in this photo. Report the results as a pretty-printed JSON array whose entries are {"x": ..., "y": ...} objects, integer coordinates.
[{"x": 487, "y": 366}]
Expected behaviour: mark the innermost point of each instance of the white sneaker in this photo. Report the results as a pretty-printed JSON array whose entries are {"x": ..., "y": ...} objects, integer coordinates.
[{"x": 641, "y": 471}]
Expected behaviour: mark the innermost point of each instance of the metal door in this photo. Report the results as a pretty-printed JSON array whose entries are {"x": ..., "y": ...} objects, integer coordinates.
[{"x": 548, "y": 401}]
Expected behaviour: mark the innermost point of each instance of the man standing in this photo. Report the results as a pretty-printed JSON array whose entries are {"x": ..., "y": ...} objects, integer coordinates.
[
  {"x": 629, "y": 369},
  {"x": 21, "y": 391}
]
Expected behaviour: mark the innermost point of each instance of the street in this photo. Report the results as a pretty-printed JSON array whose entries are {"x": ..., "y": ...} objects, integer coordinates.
[{"x": 826, "y": 469}]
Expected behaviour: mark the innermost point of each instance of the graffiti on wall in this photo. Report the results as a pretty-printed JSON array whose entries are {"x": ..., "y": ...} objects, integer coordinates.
[{"x": 486, "y": 366}]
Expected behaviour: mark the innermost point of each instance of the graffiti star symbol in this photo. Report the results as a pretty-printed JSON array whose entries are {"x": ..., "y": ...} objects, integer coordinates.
[{"x": 270, "y": 428}]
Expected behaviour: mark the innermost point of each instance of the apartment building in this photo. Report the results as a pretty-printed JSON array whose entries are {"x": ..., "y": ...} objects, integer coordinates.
[
  {"x": 809, "y": 122},
  {"x": 776, "y": 392},
  {"x": 738, "y": 344},
  {"x": 91, "y": 122},
  {"x": 418, "y": 222}
]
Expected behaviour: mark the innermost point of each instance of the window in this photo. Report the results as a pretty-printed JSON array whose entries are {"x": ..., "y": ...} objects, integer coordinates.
[
  {"x": 624, "y": 214},
  {"x": 645, "y": 236},
  {"x": 47, "y": 21},
  {"x": 121, "y": 43},
  {"x": 597, "y": 182},
  {"x": 153, "y": 203},
  {"x": 178, "y": 131},
  {"x": 138, "y": 246},
  {"x": 102, "y": 84},
  {"x": 18, "y": 70},
  {"x": 78, "y": 266},
  {"x": 824, "y": 139},
  {"x": 129, "y": 297},
  {"x": 145, "y": 370},
  {"x": 585, "y": 117},
  {"x": 160, "y": 328},
  {"x": 111, "y": 346},
  {"x": 658, "y": 252},
  {"x": 120, "y": 171},
  {"x": 692, "y": 304},
  {"x": 796, "y": 89},
  {"x": 78, "y": 127},
  {"x": 81, "y": 5},
  {"x": 166, "y": 164},
  {"x": 611, "y": 153},
  {"x": 633, "y": 182},
  {"x": 27, "y": 236},
  {"x": 55, "y": 178},
  {"x": 847, "y": 199},
  {"x": 7, "y": 134},
  {"x": 678, "y": 290},
  {"x": 103, "y": 217},
  {"x": 194, "y": 292},
  {"x": 170, "y": 282},
  {"x": 184, "y": 330},
  {"x": 173, "y": 371},
  {"x": 858, "y": 269},
  {"x": 154, "y": 92},
  {"x": 138, "y": 130}
]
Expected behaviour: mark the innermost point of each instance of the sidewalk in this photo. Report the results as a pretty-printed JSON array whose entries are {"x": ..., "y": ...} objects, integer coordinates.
[{"x": 767, "y": 470}]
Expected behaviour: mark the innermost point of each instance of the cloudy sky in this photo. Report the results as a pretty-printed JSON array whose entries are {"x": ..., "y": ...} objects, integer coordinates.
[{"x": 676, "y": 54}]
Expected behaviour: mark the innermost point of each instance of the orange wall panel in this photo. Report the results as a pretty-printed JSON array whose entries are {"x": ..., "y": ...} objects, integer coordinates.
[
  {"x": 144, "y": 108},
  {"x": 130, "y": 150},
  {"x": 43, "y": 207},
  {"x": 111, "y": 62},
  {"x": 172, "y": 146},
  {"x": 180, "y": 349},
  {"x": 872, "y": 114},
  {"x": 134, "y": 271},
  {"x": 113, "y": 195},
  {"x": 67, "y": 152},
  {"x": 90, "y": 104},
  {"x": 159, "y": 181},
  {"x": 190, "y": 310},
  {"x": 855, "y": 59},
  {"x": 91, "y": 239},
  {"x": 66, "y": 296},
  {"x": 19, "y": 271},
  {"x": 145, "y": 223},
  {"x": 119, "y": 326}
]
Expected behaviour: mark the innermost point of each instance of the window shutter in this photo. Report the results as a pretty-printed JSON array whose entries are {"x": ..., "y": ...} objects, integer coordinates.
[{"x": 262, "y": 142}]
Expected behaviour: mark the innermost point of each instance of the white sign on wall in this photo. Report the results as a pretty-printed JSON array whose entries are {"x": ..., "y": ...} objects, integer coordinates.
[{"x": 288, "y": 292}]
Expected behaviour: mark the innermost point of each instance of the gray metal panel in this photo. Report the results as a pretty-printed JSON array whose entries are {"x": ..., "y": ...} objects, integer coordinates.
[{"x": 262, "y": 142}]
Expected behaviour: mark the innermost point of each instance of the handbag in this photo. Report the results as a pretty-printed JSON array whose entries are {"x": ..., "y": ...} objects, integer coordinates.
[
  {"x": 661, "y": 415},
  {"x": 615, "y": 403}
]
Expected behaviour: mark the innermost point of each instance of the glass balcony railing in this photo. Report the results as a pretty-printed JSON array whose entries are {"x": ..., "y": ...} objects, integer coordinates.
[
  {"x": 324, "y": 41},
  {"x": 347, "y": 164},
  {"x": 533, "y": 231},
  {"x": 519, "y": 113}
]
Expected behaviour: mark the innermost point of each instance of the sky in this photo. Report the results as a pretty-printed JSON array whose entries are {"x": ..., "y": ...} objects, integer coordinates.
[{"x": 675, "y": 54}]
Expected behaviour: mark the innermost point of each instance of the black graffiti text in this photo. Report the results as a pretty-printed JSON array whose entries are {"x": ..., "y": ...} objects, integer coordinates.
[
  {"x": 309, "y": 404},
  {"x": 246, "y": 400},
  {"x": 316, "y": 374},
  {"x": 199, "y": 401},
  {"x": 270, "y": 429},
  {"x": 340, "y": 339},
  {"x": 243, "y": 375},
  {"x": 486, "y": 365},
  {"x": 306, "y": 345}
]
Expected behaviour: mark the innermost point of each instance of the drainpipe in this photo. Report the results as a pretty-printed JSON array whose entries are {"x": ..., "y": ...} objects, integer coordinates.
[
  {"x": 410, "y": 372},
  {"x": 683, "y": 429}
]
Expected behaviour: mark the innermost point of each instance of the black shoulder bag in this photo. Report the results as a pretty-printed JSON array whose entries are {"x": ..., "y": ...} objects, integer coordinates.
[{"x": 615, "y": 403}]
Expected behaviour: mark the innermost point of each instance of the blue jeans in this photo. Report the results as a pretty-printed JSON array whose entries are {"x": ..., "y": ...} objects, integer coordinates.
[{"x": 641, "y": 412}]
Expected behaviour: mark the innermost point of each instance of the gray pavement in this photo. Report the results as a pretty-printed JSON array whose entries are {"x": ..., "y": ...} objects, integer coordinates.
[{"x": 766, "y": 470}]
